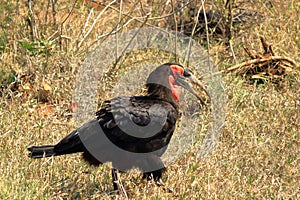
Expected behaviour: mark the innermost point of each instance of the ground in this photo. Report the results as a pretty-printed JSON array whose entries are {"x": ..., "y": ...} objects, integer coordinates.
[{"x": 257, "y": 152}]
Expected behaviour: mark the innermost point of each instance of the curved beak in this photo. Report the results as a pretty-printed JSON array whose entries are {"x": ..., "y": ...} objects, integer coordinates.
[{"x": 185, "y": 82}]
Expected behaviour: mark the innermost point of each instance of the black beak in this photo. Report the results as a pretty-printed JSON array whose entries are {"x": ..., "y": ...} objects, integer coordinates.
[{"x": 187, "y": 77}]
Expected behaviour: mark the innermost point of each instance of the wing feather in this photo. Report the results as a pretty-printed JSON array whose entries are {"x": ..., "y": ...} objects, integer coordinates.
[{"x": 128, "y": 122}]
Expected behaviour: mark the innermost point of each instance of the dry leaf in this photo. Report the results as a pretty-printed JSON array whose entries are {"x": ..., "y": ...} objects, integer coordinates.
[
  {"x": 47, "y": 87},
  {"x": 73, "y": 107}
]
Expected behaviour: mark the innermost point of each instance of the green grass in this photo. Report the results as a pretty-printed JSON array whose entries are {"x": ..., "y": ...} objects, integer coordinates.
[{"x": 257, "y": 153}]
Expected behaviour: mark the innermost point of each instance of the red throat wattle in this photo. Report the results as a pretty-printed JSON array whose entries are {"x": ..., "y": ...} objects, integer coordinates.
[{"x": 176, "y": 89}]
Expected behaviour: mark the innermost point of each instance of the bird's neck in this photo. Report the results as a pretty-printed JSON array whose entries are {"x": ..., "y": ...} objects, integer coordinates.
[{"x": 162, "y": 93}]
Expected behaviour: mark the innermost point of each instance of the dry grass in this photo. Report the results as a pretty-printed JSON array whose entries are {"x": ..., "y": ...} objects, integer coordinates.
[{"x": 257, "y": 155}]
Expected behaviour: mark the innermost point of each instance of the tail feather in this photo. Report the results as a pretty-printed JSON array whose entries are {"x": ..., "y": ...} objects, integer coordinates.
[
  {"x": 41, "y": 151},
  {"x": 70, "y": 144}
]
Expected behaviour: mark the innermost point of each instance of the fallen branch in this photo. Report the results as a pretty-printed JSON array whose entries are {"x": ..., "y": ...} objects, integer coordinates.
[{"x": 261, "y": 60}]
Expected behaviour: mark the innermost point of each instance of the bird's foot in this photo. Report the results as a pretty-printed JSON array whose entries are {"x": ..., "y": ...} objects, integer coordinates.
[
  {"x": 154, "y": 175},
  {"x": 160, "y": 183},
  {"x": 166, "y": 188}
]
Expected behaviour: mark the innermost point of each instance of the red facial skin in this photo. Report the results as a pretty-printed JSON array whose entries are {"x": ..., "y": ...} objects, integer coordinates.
[{"x": 176, "y": 89}]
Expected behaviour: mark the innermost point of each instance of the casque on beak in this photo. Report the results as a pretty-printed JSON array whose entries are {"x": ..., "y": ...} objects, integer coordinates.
[{"x": 186, "y": 80}]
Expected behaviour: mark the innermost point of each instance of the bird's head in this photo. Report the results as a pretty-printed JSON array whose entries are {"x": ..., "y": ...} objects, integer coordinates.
[{"x": 165, "y": 82}]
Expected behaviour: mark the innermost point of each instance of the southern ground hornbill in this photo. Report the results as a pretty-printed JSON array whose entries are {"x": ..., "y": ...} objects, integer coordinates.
[{"x": 163, "y": 91}]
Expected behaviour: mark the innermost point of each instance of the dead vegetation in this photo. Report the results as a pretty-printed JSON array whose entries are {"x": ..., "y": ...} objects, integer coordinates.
[
  {"x": 43, "y": 43},
  {"x": 264, "y": 66}
]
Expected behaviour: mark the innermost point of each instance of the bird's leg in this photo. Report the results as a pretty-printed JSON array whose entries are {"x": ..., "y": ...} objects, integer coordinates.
[
  {"x": 154, "y": 175},
  {"x": 154, "y": 161},
  {"x": 115, "y": 179}
]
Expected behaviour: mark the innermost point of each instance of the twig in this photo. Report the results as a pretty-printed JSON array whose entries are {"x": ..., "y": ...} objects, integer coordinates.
[
  {"x": 62, "y": 23},
  {"x": 120, "y": 19},
  {"x": 86, "y": 21},
  {"x": 124, "y": 50},
  {"x": 31, "y": 20},
  {"x": 47, "y": 11},
  {"x": 118, "y": 183},
  {"x": 54, "y": 11},
  {"x": 207, "y": 37},
  {"x": 69, "y": 14},
  {"x": 232, "y": 51},
  {"x": 94, "y": 23},
  {"x": 176, "y": 29},
  {"x": 116, "y": 29},
  {"x": 106, "y": 35},
  {"x": 229, "y": 27},
  {"x": 187, "y": 57},
  {"x": 139, "y": 19},
  {"x": 182, "y": 16},
  {"x": 121, "y": 187},
  {"x": 267, "y": 47}
]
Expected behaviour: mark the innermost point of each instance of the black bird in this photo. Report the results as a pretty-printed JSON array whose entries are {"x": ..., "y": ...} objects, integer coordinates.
[{"x": 125, "y": 123}]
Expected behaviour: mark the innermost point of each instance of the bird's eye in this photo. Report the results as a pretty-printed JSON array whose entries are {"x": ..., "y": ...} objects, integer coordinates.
[{"x": 187, "y": 72}]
